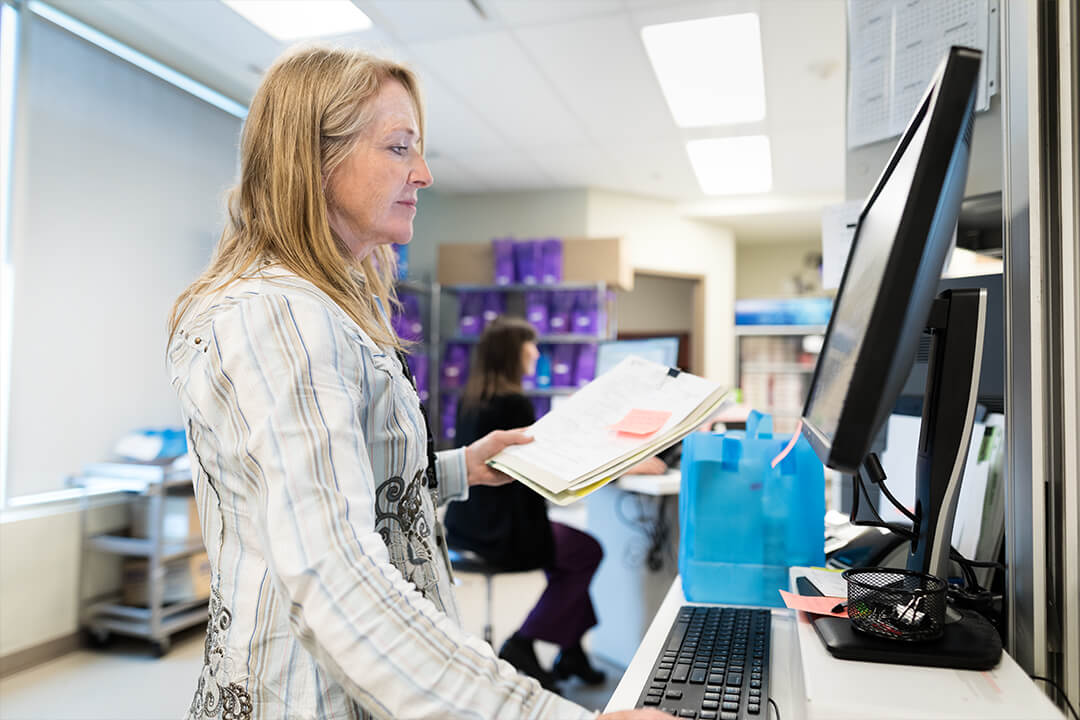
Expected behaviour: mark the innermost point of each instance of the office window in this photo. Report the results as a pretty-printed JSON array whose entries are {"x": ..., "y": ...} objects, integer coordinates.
[{"x": 118, "y": 187}]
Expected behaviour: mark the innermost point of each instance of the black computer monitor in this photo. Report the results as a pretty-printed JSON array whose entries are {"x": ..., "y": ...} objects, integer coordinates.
[{"x": 889, "y": 296}]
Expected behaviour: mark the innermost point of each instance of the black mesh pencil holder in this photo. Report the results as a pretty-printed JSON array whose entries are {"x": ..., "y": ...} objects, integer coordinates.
[{"x": 896, "y": 604}]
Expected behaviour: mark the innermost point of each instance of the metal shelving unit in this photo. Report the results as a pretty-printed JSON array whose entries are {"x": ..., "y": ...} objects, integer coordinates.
[
  {"x": 515, "y": 306},
  {"x": 158, "y": 621},
  {"x": 768, "y": 384}
]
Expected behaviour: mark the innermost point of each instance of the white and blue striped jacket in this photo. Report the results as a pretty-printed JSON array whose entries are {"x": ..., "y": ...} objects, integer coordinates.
[{"x": 331, "y": 588}]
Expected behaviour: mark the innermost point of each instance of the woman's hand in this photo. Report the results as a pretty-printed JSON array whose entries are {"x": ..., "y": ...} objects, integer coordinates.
[
  {"x": 486, "y": 448},
  {"x": 639, "y": 714}
]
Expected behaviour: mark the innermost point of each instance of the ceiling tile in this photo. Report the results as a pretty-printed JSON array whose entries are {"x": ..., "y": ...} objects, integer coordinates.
[
  {"x": 614, "y": 91},
  {"x": 516, "y": 13},
  {"x": 509, "y": 170},
  {"x": 492, "y": 75},
  {"x": 450, "y": 176},
  {"x": 451, "y": 124},
  {"x": 578, "y": 165},
  {"x": 421, "y": 20}
]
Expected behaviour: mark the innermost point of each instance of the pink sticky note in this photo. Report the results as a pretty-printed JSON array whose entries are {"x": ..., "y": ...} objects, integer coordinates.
[
  {"x": 815, "y": 604},
  {"x": 642, "y": 422}
]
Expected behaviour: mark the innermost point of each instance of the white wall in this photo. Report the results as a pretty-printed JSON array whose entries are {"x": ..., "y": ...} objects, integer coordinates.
[
  {"x": 659, "y": 239},
  {"x": 39, "y": 574},
  {"x": 764, "y": 270},
  {"x": 118, "y": 202},
  {"x": 656, "y": 304},
  {"x": 117, "y": 205},
  {"x": 478, "y": 217}
]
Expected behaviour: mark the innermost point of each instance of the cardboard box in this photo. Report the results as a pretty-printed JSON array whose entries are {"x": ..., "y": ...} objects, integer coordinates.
[
  {"x": 180, "y": 518},
  {"x": 585, "y": 260},
  {"x": 185, "y": 579}
]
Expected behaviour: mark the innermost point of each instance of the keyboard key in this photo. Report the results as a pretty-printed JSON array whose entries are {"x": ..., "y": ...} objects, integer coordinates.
[
  {"x": 716, "y": 679},
  {"x": 674, "y": 694},
  {"x": 755, "y": 692},
  {"x": 731, "y": 697},
  {"x": 684, "y": 713},
  {"x": 734, "y": 678},
  {"x": 712, "y": 696},
  {"x": 652, "y": 699},
  {"x": 680, "y": 673},
  {"x": 753, "y": 709},
  {"x": 729, "y": 716},
  {"x": 755, "y": 683},
  {"x": 710, "y": 705},
  {"x": 697, "y": 676},
  {"x": 707, "y": 715},
  {"x": 730, "y": 706},
  {"x": 676, "y": 637},
  {"x": 662, "y": 675}
]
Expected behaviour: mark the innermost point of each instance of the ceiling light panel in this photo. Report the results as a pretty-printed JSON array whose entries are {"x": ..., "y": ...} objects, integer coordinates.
[
  {"x": 710, "y": 70},
  {"x": 289, "y": 20},
  {"x": 732, "y": 165}
]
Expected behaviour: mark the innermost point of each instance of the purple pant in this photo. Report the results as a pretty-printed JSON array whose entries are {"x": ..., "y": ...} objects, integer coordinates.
[{"x": 565, "y": 611}]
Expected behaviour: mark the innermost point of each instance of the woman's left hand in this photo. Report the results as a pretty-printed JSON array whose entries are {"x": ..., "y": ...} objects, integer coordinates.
[{"x": 487, "y": 447}]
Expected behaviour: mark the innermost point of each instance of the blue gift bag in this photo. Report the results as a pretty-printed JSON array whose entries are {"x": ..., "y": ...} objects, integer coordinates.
[{"x": 744, "y": 523}]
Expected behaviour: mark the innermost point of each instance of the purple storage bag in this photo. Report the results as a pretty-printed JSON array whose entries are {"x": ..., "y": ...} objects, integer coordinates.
[
  {"x": 585, "y": 367},
  {"x": 536, "y": 310},
  {"x": 551, "y": 253},
  {"x": 560, "y": 305},
  {"x": 502, "y": 250},
  {"x": 449, "y": 417},
  {"x": 407, "y": 321},
  {"x": 527, "y": 262},
  {"x": 584, "y": 315},
  {"x": 418, "y": 366},
  {"x": 469, "y": 320},
  {"x": 455, "y": 366},
  {"x": 562, "y": 365},
  {"x": 493, "y": 305}
]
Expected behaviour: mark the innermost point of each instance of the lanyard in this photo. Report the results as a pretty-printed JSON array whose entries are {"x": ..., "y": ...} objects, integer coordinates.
[{"x": 432, "y": 482}]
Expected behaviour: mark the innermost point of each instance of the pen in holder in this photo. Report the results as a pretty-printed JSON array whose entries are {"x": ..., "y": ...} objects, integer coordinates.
[{"x": 896, "y": 604}]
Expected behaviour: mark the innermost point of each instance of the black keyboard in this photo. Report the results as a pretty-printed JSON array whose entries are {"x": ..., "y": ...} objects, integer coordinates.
[{"x": 714, "y": 665}]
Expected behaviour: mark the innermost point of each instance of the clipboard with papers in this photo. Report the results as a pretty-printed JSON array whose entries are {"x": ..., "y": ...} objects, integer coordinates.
[{"x": 630, "y": 413}]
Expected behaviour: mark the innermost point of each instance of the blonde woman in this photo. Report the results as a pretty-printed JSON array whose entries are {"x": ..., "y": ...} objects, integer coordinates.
[{"x": 314, "y": 473}]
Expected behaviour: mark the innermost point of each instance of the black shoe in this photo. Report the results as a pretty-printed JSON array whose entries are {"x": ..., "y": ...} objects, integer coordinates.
[
  {"x": 519, "y": 652},
  {"x": 573, "y": 661}
]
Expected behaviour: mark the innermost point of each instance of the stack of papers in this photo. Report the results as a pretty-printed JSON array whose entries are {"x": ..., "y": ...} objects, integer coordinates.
[
  {"x": 624, "y": 416},
  {"x": 132, "y": 475}
]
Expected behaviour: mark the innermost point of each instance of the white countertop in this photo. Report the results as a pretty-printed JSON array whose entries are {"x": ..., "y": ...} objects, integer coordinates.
[{"x": 807, "y": 683}]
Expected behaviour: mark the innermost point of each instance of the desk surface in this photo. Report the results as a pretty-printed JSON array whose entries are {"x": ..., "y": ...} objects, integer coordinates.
[
  {"x": 807, "y": 683},
  {"x": 784, "y": 676}
]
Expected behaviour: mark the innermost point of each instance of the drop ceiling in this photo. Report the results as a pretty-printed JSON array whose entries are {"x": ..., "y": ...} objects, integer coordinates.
[{"x": 535, "y": 94}]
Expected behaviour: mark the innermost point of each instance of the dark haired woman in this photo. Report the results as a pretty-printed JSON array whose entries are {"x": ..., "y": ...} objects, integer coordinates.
[{"x": 508, "y": 525}]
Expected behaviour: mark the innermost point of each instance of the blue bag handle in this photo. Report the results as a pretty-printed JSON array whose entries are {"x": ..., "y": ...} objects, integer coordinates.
[{"x": 758, "y": 424}]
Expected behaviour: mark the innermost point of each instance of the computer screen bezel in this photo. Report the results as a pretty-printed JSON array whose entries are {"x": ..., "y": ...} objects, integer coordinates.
[{"x": 887, "y": 352}]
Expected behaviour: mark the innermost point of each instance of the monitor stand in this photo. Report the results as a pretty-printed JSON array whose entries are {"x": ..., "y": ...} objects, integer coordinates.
[{"x": 969, "y": 641}]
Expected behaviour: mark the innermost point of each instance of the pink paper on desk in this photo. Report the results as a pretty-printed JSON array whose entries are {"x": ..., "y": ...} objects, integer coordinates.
[
  {"x": 642, "y": 422},
  {"x": 815, "y": 604}
]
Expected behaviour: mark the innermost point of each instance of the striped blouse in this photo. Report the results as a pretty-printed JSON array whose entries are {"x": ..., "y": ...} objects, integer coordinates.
[{"x": 331, "y": 588}]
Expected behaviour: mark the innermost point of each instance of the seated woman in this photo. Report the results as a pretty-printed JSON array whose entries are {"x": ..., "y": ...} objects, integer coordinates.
[{"x": 508, "y": 525}]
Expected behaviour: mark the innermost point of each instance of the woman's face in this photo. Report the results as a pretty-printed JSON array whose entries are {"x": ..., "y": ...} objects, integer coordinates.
[
  {"x": 372, "y": 194},
  {"x": 529, "y": 355}
]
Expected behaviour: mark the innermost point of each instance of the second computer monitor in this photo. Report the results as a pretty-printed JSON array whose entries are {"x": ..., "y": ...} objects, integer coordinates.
[{"x": 663, "y": 350}]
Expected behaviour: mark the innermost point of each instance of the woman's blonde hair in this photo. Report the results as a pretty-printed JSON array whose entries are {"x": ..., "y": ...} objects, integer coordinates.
[{"x": 306, "y": 117}]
